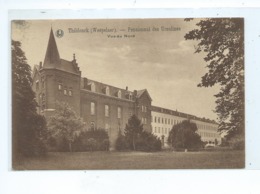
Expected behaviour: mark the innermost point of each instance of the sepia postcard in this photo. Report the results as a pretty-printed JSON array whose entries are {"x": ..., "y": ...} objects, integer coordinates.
[{"x": 162, "y": 93}]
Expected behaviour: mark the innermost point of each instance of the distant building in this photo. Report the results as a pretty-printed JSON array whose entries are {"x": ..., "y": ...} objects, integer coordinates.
[
  {"x": 163, "y": 120},
  {"x": 101, "y": 105}
]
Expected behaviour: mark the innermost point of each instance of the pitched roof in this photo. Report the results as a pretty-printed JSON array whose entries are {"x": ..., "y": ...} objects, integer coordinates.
[
  {"x": 52, "y": 56},
  {"x": 181, "y": 114},
  {"x": 141, "y": 92},
  {"x": 53, "y": 61}
]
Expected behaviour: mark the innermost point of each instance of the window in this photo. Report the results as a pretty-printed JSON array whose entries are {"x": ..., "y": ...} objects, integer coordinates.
[
  {"x": 155, "y": 130},
  {"x": 107, "y": 90},
  {"x": 93, "y": 87},
  {"x": 70, "y": 93},
  {"x": 92, "y": 108},
  {"x": 159, "y": 120},
  {"x": 65, "y": 91},
  {"x": 119, "y": 94},
  {"x": 169, "y": 121},
  {"x": 159, "y": 130},
  {"x": 106, "y": 110},
  {"x": 162, "y": 120},
  {"x": 59, "y": 86},
  {"x": 119, "y": 112},
  {"x": 144, "y": 108},
  {"x": 155, "y": 119}
]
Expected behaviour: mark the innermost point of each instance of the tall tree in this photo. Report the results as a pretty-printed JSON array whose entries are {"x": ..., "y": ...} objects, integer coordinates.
[
  {"x": 222, "y": 39},
  {"x": 28, "y": 128},
  {"x": 183, "y": 135},
  {"x": 133, "y": 128},
  {"x": 65, "y": 123}
]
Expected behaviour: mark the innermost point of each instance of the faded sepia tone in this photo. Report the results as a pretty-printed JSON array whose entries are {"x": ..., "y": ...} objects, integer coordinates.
[{"x": 107, "y": 71}]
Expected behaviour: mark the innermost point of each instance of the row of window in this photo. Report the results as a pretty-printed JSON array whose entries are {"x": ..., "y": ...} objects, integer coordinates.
[
  {"x": 167, "y": 130},
  {"x": 107, "y": 91},
  {"x": 175, "y": 122},
  {"x": 66, "y": 92},
  {"x": 165, "y": 121},
  {"x": 161, "y": 130},
  {"x": 107, "y": 110},
  {"x": 206, "y": 127},
  {"x": 144, "y": 108},
  {"x": 206, "y": 134}
]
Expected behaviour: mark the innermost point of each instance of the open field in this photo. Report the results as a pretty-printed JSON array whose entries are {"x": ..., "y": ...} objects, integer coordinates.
[{"x": 134, "y": 160}]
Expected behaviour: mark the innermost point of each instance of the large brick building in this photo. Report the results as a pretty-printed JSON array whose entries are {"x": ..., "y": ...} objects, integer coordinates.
[{"x": 100, "y": 105}]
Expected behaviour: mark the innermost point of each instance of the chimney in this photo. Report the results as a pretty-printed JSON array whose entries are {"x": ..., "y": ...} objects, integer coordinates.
[
  {"x": 40, "y": 64},
  {"x": 126, "y": 88},
  {"x": 135, "y": 92}
]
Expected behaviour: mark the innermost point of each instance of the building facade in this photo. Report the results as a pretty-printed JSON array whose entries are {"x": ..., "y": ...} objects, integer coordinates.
[
  {"x": 100, "y": 105},
  {"x": 163, "y": 120}
]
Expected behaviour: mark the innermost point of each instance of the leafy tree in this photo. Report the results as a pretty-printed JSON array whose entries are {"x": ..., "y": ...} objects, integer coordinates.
[
  {"x": 184, "y": 136},
  {"x": 133, "y": 128},
  {"x": 135, "y": 138},
  {"x": 65, "y": 123},
  {"x": 223, "y": 41},
  {"x": 28, "y": 128}
]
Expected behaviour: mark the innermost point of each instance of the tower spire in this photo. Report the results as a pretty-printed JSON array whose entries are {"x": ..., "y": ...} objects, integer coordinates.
[{"x": 52, "y": 57}]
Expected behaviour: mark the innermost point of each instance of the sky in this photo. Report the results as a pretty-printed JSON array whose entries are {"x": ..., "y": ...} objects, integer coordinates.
[{"x": 162, "y": 62}]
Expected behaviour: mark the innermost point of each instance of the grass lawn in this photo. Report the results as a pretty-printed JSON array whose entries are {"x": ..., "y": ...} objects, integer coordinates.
[{"x": 134, "y": 160}]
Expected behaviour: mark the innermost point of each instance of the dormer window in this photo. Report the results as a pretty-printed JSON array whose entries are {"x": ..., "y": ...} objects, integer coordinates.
[
  {"x": 119, "y": 94},
  {"x": 107, "y": 90},
  {"x": 93, "y": 87},
  {"x": 130, "y": 96}
]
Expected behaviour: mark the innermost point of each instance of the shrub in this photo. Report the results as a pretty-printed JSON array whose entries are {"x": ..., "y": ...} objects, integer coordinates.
[
  {"x": 93, "y": 140},
  {"x": 144, "y": 142},
  {"x": 148, "y": 142}
]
